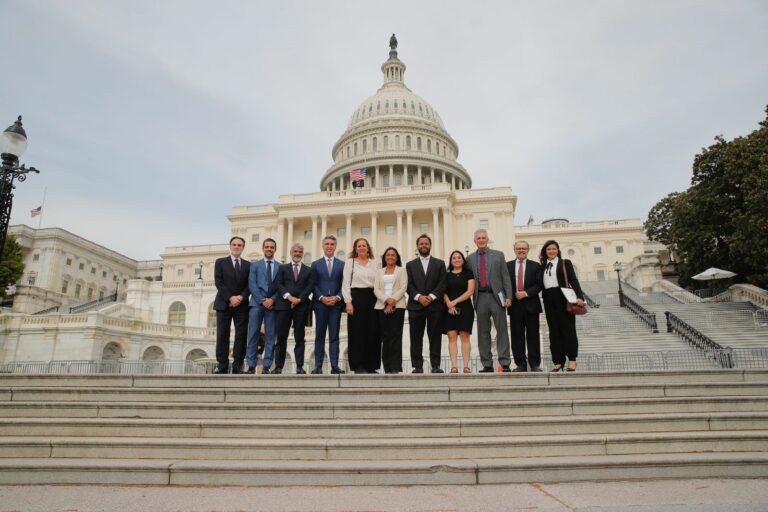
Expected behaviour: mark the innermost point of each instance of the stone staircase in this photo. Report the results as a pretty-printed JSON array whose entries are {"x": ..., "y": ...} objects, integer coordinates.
[{"x": 382, "y": 429}]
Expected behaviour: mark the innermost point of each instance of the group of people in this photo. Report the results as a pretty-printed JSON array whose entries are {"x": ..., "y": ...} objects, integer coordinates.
[{"x": 267, "y": 296}]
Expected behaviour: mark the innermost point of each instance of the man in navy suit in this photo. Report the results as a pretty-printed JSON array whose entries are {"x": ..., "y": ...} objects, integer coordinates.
[
  {"x": 294, "y": 285},
  {"x": 262, "y": 307},
  {"x": 426, "y": 285},
  {"x": 327, "y": 273},
  {"x": 525, "y": 309},
  {"x": 230, "y": 274}
]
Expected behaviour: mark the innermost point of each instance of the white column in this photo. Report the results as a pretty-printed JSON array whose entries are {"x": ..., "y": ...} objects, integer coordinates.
[
  {"x": 448, "y": 232},
  {"x": 432, "y": 175},
  {"x": 349, "y": 233},
  {"x": 435, "y": 230},
  {"x": 399, "y": 214},
  {"x": 314, "y": 237},
  {"x": 409, "y": 234},
  {"x": 374, "y": 229},
  {"x": 378, "y": 183},
  {"x": 453, "y": 182},
  {"x": 323, "y": 229},
  {"x": 289, "y": 241},
  {"x": 281, "y": 236},
  {"x": 391, "y": 175},
  {"x": 418, "y": 175}
]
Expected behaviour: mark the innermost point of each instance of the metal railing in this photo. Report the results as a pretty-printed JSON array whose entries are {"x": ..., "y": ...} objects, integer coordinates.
[
  {"x": 590, "y": 302},
  {"x": 120, "y": 367},
  {"x": 643, "y": 314},
  {"x": 92, "y": 304},
  {"x": 54, "y": 309},
  {"x": 695, "y": 337}
]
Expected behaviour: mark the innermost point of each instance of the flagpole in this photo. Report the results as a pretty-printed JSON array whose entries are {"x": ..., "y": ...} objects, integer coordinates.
[{"x": 42, "y": 208}]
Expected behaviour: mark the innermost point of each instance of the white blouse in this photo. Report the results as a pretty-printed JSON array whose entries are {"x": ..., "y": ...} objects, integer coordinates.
[
  {"x": 389, "y": 283},
  {"x": 357, "y": 276},
  {"x": 550, "y": 274}
]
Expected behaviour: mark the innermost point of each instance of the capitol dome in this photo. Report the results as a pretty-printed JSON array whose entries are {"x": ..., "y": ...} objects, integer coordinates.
[{"x": 398, "y": 137}]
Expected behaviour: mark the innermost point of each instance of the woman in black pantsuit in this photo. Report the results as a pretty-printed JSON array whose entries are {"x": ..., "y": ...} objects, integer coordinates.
[
  {"x": 563, "y": 341},
  {"x": 363, "y": 342}
]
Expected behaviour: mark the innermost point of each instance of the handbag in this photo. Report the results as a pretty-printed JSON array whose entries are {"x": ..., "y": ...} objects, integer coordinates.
[{"x": 571, "y": 307}]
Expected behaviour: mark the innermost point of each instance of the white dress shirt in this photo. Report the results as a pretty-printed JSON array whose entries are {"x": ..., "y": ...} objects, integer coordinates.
[{"x": 550, "y": 274}]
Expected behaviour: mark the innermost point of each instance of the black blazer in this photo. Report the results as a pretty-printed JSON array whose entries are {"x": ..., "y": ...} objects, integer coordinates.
[
  {"x": 229, "y": 284},
  {"x": 433, "y": 282},
  {"x": 301, "y": 288},
  {"x": 532, "y": 284},
  {"x": 572, "y": 279}
]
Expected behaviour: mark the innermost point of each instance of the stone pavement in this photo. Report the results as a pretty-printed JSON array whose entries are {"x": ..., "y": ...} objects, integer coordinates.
[{"x": 639, "y": 496}]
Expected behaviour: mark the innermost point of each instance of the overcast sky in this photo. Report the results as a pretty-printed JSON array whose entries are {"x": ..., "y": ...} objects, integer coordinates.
[{"x": 151, "y": 119}]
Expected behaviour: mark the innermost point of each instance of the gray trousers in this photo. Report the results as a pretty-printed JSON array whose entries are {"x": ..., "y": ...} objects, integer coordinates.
[{"x": 487, "y": 308}]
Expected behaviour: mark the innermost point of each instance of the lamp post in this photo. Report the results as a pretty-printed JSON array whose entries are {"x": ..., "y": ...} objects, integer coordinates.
[
  {"x": 13, "y": 143},
  {"x": 161, "y": 270},
  {"x": 617, "y": 267},
  {"x": 466, "y": 251},
  {"x": 200, "y": 271}
]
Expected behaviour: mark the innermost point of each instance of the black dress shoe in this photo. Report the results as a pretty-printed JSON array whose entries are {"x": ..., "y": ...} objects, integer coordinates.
[
  {"x": 536, "y": 368},
  {"x": 277, "y": 371},
  {"x": 237, "y": 369},
  {"x": 337, "y": 371},
  {"x": 556, "y": 369},
  {"x": 418, "y": 370},
  {"x": 505, "y": 369},
  {"x": 265, "y": 371},
  {"x": 300, "y": 371},
  {"x": 437, "y": 370},
  {"x": 251, "y": 369},
  {"x": 520, "y": 369},
  {"x": 361, "y": 371},
  {"x": 486, "y": 369},
  {"x": 317, "y": 371},
  {"x": 221, "y": 370}
]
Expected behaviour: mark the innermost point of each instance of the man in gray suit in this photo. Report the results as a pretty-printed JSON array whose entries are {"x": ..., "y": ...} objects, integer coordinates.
[{"x": 493, "y": 293}]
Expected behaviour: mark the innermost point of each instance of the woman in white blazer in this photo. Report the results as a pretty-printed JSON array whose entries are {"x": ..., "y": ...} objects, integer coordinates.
[{"x": 389, "y": 287}]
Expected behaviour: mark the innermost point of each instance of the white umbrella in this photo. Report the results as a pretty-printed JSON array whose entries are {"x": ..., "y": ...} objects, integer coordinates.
[{"x": 713, "y": 273}]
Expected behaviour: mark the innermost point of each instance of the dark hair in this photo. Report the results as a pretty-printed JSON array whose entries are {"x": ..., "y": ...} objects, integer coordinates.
[
  {"x": 268, "y": 240},
  {"x": 398, "y": 262},
  {"x": 237, "y": 238},
  {"x": 353, "y": 252},
  {"x": 543, "y": 254},
  {"x": 463, "y": 261},
  {"x": 423, "y": 235},
  {"x": 329, "y": 237}
]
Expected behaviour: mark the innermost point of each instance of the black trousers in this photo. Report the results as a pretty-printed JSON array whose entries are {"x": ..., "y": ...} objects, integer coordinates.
[
  {"x": 562, "y": 327},
  {"x": 524, "y": 331},
  {"x": 286, "y": 317},
  {"x": 433, "y": 321},
  {"x": 224, "y": 320},
  {"x": 391, "y": 327},
  {"x": 363, "y": 341}
]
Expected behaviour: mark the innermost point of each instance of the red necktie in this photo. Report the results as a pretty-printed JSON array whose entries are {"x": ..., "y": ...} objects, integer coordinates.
[
  {"x": 295, "y": 271},
  {"x": 520, "y": 276},
  {"x": 483, "y": 278}
]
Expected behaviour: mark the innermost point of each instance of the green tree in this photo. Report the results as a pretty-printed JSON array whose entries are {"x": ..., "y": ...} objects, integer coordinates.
[
  {"x": 12, "y": 266},
  {"x": 722, "y": 219}
]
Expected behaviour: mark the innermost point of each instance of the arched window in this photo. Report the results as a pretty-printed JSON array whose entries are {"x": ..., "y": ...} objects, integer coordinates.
[
  {"x": 375, "y": 144},
  {"x": 341, "y": 255},
  {"x": 437, "y": 148},
  {"x": 407, "y": 142},
  {"x": 418, "y": 143},
  {"x": 429, "y": 145},
  {"x": 195, "y": 354},
  {"x": 386, "y": 143},
  {"x": 177, "y": 314},
  {"x": 111, "y": 352},
  {"x": 397, "y": 142},
  {"x": 308, "y": 258},
  {"x": 153, "y": 353},
  {"x": 355, "y": 148},
  {"x": 365, "y": 145},
  {"x": 211, "y": 317}
]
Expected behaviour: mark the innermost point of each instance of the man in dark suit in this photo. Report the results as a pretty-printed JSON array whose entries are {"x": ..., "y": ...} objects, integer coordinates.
[
  {"x": 525, "y": 309},
  {"x": 426, "y": 285},
  {"x": 262, "y": 307},
  {"x": 294, "y": 286},
  {"x": 231, "y": 304},
  {"x": 327, "y": 272}
]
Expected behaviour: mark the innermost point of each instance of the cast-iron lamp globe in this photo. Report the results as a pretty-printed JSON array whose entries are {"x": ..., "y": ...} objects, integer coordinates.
[{"x": 13, "y": 140}]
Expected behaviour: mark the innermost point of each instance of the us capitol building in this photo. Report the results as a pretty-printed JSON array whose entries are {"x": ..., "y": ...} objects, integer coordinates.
[{"x": 414, "y": 184}]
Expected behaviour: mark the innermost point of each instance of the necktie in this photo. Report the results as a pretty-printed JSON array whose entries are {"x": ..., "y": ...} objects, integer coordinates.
[
  {"x": 330, "y": 267},
  {"x": 549, "y": 268},
  {"x": 295, "y": 272},
  {"x": 237, "y": 266},
  {"x": 483, "y": 278},
  {"x": 520, "y": 276},
  {"x": 269, "y": 271}
]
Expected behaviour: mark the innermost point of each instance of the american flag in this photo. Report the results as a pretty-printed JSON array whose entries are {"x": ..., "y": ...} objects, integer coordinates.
[
  {"x": 37, "y": 211},
  {"x": 357, "y": 175}
]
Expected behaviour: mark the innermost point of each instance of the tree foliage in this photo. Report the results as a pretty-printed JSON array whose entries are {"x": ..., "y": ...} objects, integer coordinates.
[
  {"x": 722, "y": 219},
  {"x": 12, "y": 266}
]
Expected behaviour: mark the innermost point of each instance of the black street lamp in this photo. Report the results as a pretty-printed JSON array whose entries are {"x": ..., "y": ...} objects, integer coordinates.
[
  {"x": 200, "y": 271},
  {"x": 13, "y": 143},
  {"x": 466, "y": 251},
  {"x": 617, "y": 267},
  {"x": 161, "y": 271}
]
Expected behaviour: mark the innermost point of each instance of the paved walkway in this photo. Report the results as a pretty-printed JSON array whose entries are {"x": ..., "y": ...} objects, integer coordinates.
[{"x": 667, "y": 495}]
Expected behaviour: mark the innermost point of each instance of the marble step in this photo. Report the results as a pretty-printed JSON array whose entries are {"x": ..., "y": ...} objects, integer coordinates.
[
  {"x": 30, "y": 471},
  {"x": 389, "y": 428}
]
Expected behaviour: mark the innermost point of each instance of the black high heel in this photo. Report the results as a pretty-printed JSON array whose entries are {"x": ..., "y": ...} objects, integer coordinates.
[{"x": 556, "y": 369}]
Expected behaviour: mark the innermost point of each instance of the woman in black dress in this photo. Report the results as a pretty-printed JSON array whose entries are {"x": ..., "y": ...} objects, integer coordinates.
[{"x": 459, "y": 287}]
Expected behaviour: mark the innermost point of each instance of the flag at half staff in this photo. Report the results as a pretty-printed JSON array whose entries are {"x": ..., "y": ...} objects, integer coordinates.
[
  {"x": 37, "y": 211},
  {"x": 357, "y": 177}
]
